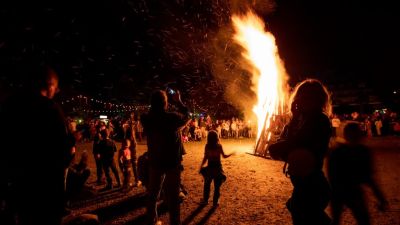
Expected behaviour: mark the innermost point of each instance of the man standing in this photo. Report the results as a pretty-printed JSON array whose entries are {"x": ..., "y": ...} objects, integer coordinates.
[
  {"x": 165, "y": 147},
  {"x": 130, "y": 134},
  {"x": 35, "y": 163}
]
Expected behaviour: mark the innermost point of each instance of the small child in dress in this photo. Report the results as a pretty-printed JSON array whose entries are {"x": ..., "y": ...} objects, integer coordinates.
[
  {"x": 125, "y": 163},
  {"x": 213, "y": 171}
]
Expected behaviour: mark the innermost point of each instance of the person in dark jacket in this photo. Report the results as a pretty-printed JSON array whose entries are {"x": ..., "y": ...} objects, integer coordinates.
[
  {"x": 96, "y": 155},
  {"x": 35, "y": 168},
  {"x": 164, "y": 152},
  {"x": 303, "y": 146},
  {"x": 107, "y": 148}
]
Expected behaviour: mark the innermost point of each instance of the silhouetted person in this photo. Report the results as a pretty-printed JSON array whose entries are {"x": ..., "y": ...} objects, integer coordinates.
[
  {"x": 303, "y": 145},
  {"x": 96, "y": 155},
  {"x": 107, "y": 148},
  {"x": 35, "y": 163},
  {"x": 164, "y": 152},
  {"x": 139, "y": 128},
  {"x": 131, "y": 136},
  {"x": 213, "y": 172},
  {"x": 349, "y": 168}
]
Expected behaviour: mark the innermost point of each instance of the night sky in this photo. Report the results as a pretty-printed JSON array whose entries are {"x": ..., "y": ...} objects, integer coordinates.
[{"x": 120, "y": 50}]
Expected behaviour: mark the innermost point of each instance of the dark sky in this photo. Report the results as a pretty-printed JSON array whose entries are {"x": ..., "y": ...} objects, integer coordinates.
[
  {"x": 349, "y": 38},
  {"x": 121, "y": 49}
]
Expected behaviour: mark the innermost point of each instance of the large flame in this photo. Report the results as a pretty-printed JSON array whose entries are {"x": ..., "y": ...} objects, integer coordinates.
[{"x": 269, "y": 78}]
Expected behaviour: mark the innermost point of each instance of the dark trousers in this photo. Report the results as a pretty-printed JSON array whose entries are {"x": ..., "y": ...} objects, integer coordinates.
[
  {"x": 76, "y": 181},
  {"x": 354, "y": 199},
  {"x": 170, "y": 179},
  {"x": 134, "y": 164},
  {"x": 107, "y": 164},
  {"x": 309, "y": 199},
  {"x": 126, "y": 168},
  {"x": 207, "y": 185},
  {"x": 99, "y": 169}
]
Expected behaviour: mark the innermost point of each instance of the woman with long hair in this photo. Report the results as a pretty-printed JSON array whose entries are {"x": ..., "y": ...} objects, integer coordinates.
[
  {"x": 212, "y": 154},
  {"x": 303, "y": 146}
]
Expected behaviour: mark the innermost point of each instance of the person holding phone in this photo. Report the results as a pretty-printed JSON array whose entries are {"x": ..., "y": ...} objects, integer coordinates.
[{"x": 164, "y": 142}]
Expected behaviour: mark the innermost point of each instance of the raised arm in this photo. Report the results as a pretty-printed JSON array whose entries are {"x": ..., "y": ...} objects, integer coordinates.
[{"x": 183, "y": 111}]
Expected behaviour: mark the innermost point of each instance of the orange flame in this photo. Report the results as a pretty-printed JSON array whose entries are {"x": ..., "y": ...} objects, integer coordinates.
[{"x": 269, "y": 78}]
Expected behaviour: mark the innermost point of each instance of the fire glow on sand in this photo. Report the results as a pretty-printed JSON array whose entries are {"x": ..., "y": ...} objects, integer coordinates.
[{"x": 268, "y": 74}]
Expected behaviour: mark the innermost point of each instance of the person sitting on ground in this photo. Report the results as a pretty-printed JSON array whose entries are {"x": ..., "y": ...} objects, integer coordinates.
[{"x": 78, "y": 174}]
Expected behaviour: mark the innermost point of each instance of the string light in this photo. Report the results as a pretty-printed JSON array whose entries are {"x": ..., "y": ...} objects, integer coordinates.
[{"x": 80, "y": 103}]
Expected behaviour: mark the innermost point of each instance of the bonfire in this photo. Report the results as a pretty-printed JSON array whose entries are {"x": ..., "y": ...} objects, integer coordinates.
[{"x": 269, "y": 77}]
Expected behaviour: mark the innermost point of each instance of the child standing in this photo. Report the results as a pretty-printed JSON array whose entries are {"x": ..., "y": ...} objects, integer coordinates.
[
  {"x": 213, "y": 171},
  {"x": 125, "y": 162}
]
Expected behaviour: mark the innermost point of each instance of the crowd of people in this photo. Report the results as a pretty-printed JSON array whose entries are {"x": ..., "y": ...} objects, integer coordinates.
[
  {"x": 196, "y": 130},
  {"x": 37, "y": 190},
  {"x": 379, "y": 123}
]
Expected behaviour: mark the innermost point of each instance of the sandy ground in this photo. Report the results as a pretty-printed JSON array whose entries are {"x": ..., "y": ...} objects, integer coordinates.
[{"x": 255, "y": 191}]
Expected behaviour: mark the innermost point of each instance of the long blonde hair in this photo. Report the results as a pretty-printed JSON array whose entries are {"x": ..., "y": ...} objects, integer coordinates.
[{"x": 310, "y": 95}]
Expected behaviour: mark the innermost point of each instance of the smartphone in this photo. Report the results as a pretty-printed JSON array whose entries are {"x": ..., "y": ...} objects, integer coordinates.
[{"x": 171, "y": 91}]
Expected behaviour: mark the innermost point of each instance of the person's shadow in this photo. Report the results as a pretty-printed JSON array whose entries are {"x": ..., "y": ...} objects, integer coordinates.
[
  {"x": 193, "y": 214},
  {"x": 143, "y": 219},
  {"x": 207, "y": 216},
  {"x": 112, "y": 211},
  {"x": 196, "y": 212}
]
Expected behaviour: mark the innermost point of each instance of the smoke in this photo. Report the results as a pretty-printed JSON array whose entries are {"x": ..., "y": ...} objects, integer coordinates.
[{"x": 226, "y": 62}]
